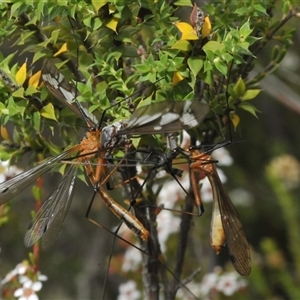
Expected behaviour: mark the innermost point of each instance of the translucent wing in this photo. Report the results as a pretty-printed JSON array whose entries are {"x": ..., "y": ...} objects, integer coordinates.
[
  {"x": 61, "y": 89},
  {"x": 50, "y": 218},
  {"x": 234, "y": 234},
  {"x": 10, "y": 188},
  {"x": 166, "y": 117}
]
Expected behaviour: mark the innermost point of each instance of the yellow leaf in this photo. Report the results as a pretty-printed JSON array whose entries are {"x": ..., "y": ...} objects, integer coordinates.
[
  {"x": 4, "y": 133},
  {"x": 206, "y": 28},
  {"x": 187, "y": 31},
  {"x": 35, "y": 79},
  {"x": 177, "y": 77},
  {"x": 63, "y": 49},
  {"x": 21, "y": 74},
  {"x": 112, "y": 24},
  {"x": 235, "y": 119},
  {"x": 98, "y": 4}
]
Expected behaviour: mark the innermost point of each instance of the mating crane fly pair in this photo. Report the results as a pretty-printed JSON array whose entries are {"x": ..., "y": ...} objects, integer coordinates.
[{"x": 163, "y": 117}]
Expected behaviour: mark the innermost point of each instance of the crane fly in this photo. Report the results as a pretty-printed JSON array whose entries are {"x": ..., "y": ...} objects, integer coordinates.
[
  {"x": 226, "y": 228},
  {"x": 163, "y": 117}
]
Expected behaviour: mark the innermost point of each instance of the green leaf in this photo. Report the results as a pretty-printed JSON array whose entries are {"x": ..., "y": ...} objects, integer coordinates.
[
  {"x": 260, "y": 8},
  {"x": 48, "y": 112},
  {"x": 142, "y": 68},
  {"x": 222, "y": 67},
  {"x": 98, "y": 4},
  {"x": 239, "y": 88},
  {"x": 54, "y": 35},
  {"x": 25, "y": 35},
  {"x": 243, "y": 11},
  {"x": 30, "y": 91},
  {"x": 19, "y": 93},
  {"x": 7, "y": 60},
  {"x": 3, "y": 32},
  {"x": 245, "y": 31},
  {"x": 3, "y": 109},
  {"x": 249, "y": 108},
  {"x": 33, "y": 21},
  {"x": 250, "y": 94},
  {"x": 182, "y": 3},
  {"x": 182, "y": 45},
  {"x": 54, "y": 150},
  {"x": 38, "y": 55},
  {"x": 213, "y": 46},
  {"x": 36, "y": 119},
  {"x": 195, "y": 64},
  {"x": 207, "y": 66},
  {"x": 15, "y": 7}
]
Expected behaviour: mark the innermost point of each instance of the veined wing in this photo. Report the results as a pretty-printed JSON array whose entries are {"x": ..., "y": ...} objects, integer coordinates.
[
  {"x": 61, "y": 89},
  {"x": 234, "y": 234},
  {"x": 50, "y": 218},
  {"x": 165, "y": 117},
  {"x": 15, "y": 185}
]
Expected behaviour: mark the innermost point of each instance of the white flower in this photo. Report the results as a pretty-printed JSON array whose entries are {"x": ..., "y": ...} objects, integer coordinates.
[
  {"x": 27, "y": 291},
  {"x": 132, "y": 259},
  {"x": 13, "y": 171},
  {"x": 20, "y": 269},
  {"x": 190, "y": 290},
  {"x": 7, "y": 172},
  {"x": 128, "y": 291},
  {"x": 41, "y": 277},
  {"x": 172, "y": 192},
  {"x": 23, "y": 279},
  {"x": 208, "y": 283},
  {"x": 9, "y": 276},
  {"x": 223, "y": 157},
  {"x": 228, "y": 284},
  {"x": 167, "y": 224}
]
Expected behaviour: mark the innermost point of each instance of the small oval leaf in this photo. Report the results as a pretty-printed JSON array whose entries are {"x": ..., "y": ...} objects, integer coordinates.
[
  {"x": 35, "y": 79},
  {"x": 182, "y": 45},
  {"x": 235, "y": 119},
  {"x": 195, "y": 64},
  {"x": 239, "y": 88},
  {"x": 112, "y": 24},
  {"x": 21, "y": 74},
  {"x": 250, "y": 94},
  {"x": 187, "y": 31},
  {"x": 206, "y": 29},
  {"x": 177, "y": 77},
  {"x": 62, "y": 49},
  {"x": 48, "y": 112}
]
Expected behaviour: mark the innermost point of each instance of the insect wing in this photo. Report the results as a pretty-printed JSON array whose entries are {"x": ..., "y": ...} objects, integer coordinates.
[
  {"x": 166, "y": 117},
  {"x": 49, "y": 219},
  {"x": 235, "y": 237},
  {"x": 12, "y": 187},
  {"x": 61, "y": 89}
]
